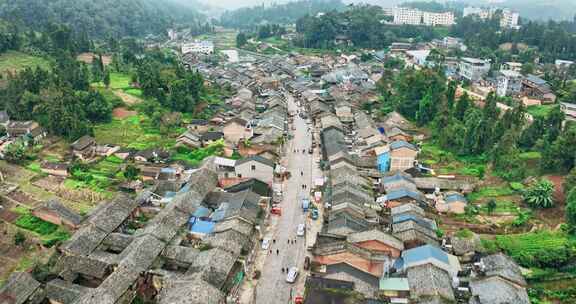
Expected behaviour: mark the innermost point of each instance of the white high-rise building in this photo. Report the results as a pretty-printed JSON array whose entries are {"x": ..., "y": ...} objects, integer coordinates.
[
  {"x": 198, "y": 47},
  {"x": 509, "y": 18},
  {"x": 435, "y": 19},
  {"x": 403, "y": 15}
]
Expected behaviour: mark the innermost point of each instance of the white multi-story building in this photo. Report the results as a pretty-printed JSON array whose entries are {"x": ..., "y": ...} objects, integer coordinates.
[
  {"x": 404, "y": 15},
  {"x": 509, "y": 18},
  {"x": 198, "y": 47},
  {"x": 438, "y": 19},
  {"x": 473, "y": 69},
  {"x": 509, "y": 83}
]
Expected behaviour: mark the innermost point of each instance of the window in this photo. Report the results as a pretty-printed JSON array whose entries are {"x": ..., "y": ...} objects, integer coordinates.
[{"x": 253, "y": 167}]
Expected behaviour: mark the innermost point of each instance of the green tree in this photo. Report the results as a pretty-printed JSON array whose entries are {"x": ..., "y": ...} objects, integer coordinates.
[
  {"x": 131, "y": 172},
  {"x": 539, "y": 195},
  {"x": 107, "y": 78},
  {"x": 19, "y": 238},
  {"x": 570, "y": 181},
  {"x": 491, "y": 206},
  {"x": 571, "y": 210},
  {"x": 15, "y": 153},
  {"x": 241, "y": 40}
]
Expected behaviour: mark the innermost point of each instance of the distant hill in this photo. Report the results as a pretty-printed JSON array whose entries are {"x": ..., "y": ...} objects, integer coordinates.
[
  {"x": 100, "y": 18},
  {"x": 278, "y": 13}
]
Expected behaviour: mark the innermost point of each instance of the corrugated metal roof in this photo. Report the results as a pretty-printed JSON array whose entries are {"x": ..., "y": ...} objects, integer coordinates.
[
  {"x": 421, "y": 253},
  {"x": 394, "y": 284}
]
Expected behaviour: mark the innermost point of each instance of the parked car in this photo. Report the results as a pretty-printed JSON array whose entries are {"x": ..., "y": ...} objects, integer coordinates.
[
  {"x": 292, "y": 275},
  {"x": 301, "y": 230},
  {"x": 265, "y": 244},
  {"x": 314, "y": 214},
  {"x": 276, "y": 210}
]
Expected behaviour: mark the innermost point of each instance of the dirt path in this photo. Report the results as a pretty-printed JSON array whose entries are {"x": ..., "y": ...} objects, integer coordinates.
[{"x": 127, "y": 98}]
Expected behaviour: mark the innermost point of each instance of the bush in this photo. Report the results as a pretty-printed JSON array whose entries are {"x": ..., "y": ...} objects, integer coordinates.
[
  {"x": 19, "y": 238},
  {"x": 464, "y": 234},
  {"x": 516, "y": 186}
]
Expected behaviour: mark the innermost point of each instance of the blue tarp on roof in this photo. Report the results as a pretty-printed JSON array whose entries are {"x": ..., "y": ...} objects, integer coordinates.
[
  {"x": 202, "y": 227},
  {"x": 202, "y": 212},
  {"x": 220, "y": 213},
  {"x": 402, "y": 144},
  {"x": 455, "y": 197},
  {"x": 421, "y": 253},
  {"x": 169, "y": 194}
]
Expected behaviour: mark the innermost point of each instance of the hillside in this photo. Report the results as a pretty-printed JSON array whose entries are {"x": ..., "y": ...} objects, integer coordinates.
[
  {"x": 278, "y": 13},
  {"x": 99, "y": 18}
]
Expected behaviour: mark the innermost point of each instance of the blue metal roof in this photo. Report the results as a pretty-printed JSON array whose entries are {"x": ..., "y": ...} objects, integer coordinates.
[
  {"x": 402, "y": 144},
  {"x": 421, "y": 253},
  {"x": 403, "y": 192},
  {"x": 535, "y": 79},
  {"x": 410, "y": 217},
  {"x": 220, "y": 213},
  {"x": 396, "y": 177},
  {"x": 455, "y": 197}
]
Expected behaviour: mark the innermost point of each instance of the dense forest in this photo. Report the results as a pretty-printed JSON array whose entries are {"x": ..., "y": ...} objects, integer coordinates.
[
  {"x": 102, "y": 18},
  {"x": 247, "y": 18},
  {"x": 362, "y": 24},
  {"x": 547, "y": 41}
]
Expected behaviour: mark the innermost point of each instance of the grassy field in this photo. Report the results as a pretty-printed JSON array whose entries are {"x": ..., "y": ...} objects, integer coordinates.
[
  {"x": 490, "y": 192},
  {"x": 531, "y": 243},
  {"x": 14, "y": 61},
  {"x": 121, "y": 82},
  {"x": 134, "y": 132},
  {"x": 445, "y": 162},
  {"x": 540, "y": 111}
]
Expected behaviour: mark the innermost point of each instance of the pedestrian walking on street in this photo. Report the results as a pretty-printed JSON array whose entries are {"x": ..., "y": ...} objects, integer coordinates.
[
  {"x": 277, "y": 251},
  {"x": 270, "y": 251},
  {"x": 288, "y": 241},
  {"x": 282, "y": 269}
]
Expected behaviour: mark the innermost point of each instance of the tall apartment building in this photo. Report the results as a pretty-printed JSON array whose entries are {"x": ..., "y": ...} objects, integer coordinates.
[
  {"x": 438, "y": 19},
  {"x": 403, "y": 15},
  {"x": 509, "y": 18}
]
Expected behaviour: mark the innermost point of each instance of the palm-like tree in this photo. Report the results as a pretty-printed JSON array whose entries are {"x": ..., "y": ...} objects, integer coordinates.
[{"x": 539, "y": 195}]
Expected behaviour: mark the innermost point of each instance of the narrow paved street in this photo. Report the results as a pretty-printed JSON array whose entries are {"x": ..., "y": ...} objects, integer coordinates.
[{"x": 272, "y": 286}]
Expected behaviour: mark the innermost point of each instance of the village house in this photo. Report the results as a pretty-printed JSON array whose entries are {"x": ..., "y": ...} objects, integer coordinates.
[
  {"x": 451, "y": 202},
  {"x": 56, "y": 169},
  {"x": 210, "y": 137},
  {"x": 569, "y": 110},
  {"x": 188, "y": 139},
  {"x": 236, "y": 129},
  {"x": 32, "y": 129},
  {"x": 84, "y": 148},
  {"x": 410, "y": 225},
  {"x": 500, "y": 281},
  {"x": 402, "y": 155},
  {"x": 56, "y": 213},
  {"x": 536, "y": 87},
  {"x": 199, "y": 126},
  {"x": 152, "y": 156},
  {"x": 255, "y": 167}
]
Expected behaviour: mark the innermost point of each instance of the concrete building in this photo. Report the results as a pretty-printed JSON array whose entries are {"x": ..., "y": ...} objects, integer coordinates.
[
  {"x": 404, "y": 15},
  {"x": 438, "y": 19},
  {"x": 255, "y": 167},
  {"x": 509, "y": 19},
  {"x": 198, "y": 47},
  {"x": 473, "y": 69},
  {"x": 509, "y": 83}
]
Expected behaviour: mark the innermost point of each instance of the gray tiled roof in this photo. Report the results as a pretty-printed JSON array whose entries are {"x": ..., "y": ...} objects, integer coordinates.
[
  {"x": 190, "y": 289},
  {"x": 20, "y": 286}
]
